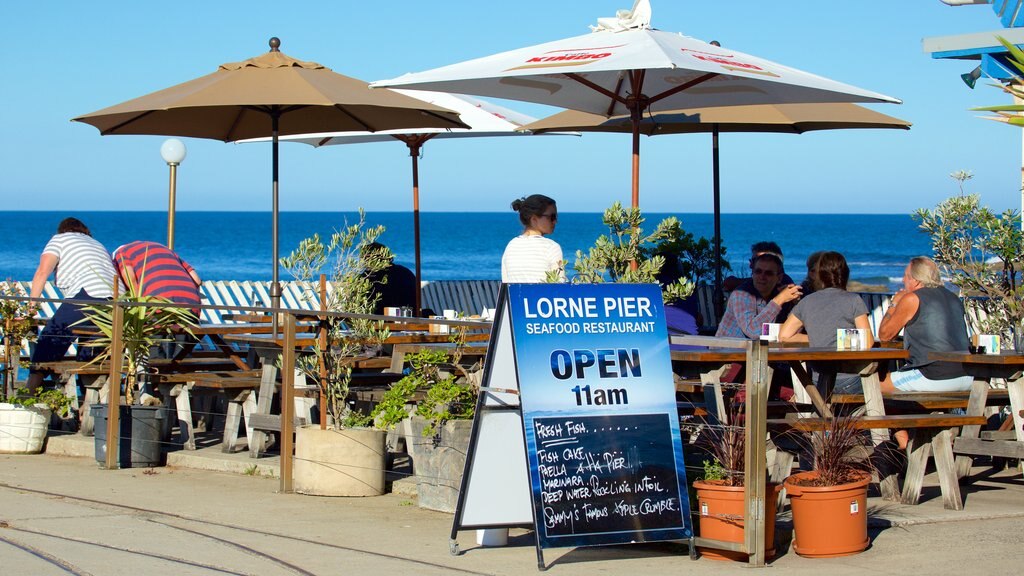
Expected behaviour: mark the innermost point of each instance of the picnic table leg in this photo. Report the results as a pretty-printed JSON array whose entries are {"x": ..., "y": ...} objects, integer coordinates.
[
  {"x": 232, "y": 420},
  {"x": 183, "y": 408},
  {"x": 1015, "y": 388},
  {"x": 920, "y": 447},
  {"x": 268, "y": 381},
  {"x": 95, "y": 386},
  {"x": 712, "y": 386},
  {"x": 889, "y": 485},
  {"x": 975, "y": 407},
  {"x": 942, "y": 451}
]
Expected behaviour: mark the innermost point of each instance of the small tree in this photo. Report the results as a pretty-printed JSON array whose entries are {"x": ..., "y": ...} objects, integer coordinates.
[
  {"x": 626, "y": 254},
  {"x": 353, "y": 261},
  {"x": 980, "y": 251},
  {"x": 16, "y": 325}
]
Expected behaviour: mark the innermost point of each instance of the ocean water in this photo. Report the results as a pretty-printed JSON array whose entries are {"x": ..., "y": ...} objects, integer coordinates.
[{"x": 463, "y": 245}]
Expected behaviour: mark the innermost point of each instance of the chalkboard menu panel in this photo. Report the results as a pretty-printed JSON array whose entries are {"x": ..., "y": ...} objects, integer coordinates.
[{"x": 606, "y": 479}]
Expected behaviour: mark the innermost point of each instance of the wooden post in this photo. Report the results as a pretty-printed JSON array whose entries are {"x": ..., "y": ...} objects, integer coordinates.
[
  {"x": 114, "y": 385},
  {"x": 756, "y": 431},
  {"x": 287, "y": 402}
]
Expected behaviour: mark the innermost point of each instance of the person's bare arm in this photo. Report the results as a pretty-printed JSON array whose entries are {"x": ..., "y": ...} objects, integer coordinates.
[
  {"x": 789, "y": 331},
  {"x": 47, "y": 264},
  {"x": 862, "y": 323},
  {"x": 903, "y": 307}
]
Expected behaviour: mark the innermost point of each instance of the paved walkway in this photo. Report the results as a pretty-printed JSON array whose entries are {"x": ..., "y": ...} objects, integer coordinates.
[{"x": 64, "y": 515}]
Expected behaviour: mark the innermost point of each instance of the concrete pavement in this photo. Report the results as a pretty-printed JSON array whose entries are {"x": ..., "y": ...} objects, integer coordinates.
[{"x": 63, "y": 515}]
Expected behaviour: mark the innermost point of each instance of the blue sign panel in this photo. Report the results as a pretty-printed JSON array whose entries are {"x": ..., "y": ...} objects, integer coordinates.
[{"x": 599, "y": 413}]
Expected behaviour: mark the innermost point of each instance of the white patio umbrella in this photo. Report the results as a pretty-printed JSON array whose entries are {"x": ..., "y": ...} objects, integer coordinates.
[
  {"x": 631, "y": 68},
  {"x": 485, "y": 119}
]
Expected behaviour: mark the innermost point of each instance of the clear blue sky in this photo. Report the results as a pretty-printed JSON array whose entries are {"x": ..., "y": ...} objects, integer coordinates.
[{"x": 68, "y": 58}]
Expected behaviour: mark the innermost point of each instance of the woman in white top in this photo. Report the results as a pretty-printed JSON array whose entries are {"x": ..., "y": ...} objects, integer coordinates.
[
  {"x": 84, "y": 271},
  {"x": 529, "y": 257}
]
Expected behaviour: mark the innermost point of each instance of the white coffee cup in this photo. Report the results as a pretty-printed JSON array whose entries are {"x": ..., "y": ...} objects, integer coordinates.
[{"x": 770, "y": 332}]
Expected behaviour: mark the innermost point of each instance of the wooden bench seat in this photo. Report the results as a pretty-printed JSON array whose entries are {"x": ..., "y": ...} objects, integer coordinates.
[{"x": 930, "y": 436}]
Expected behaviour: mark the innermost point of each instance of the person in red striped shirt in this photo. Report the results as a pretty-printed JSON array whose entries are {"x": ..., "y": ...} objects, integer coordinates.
[{"x": 157, "y": 271}]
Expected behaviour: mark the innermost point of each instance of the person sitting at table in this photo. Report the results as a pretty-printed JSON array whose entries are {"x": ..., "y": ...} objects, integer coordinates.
[
  {"x": 758, "y": 300},
  {"x": 156, "y": 270},
  {"x": 932, "y": 320},
  {"x": 682, "y": 317},
  {"x": 394, "y": 286},
  {"x": 756, "y": 249},
  {"x": 83, "y": 272},
  {"x": 828, "y": 308}
]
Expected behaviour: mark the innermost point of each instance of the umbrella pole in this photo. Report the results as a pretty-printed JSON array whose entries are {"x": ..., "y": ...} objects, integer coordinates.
[
  {"x": 275, "y": 287},
  {"x": 718, "y": 223},
  {"x": 171, "y": 204},
  {"x": 414, "y": 152}
]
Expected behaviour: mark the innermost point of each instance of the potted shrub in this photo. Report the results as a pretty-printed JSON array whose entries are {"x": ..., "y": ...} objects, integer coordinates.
[
  {"x": 142, "y": 327},
  {"x": 342, "y": 456},
  {"x": 441, "y": 422},
  {"x": 721, "y": 492},
  {"x": 25, "y": 419},
  {"x": 829, "y": 502},
  {"x": 16, "y": 326}
]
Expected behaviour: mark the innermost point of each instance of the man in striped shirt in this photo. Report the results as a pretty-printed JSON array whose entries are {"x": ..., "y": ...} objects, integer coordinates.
[
  {"x": 155, "y": 270},
  {"x": 83, "y": 271}
]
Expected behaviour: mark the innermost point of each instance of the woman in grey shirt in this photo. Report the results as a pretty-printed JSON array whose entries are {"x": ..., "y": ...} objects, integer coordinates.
[{"x": 829, "y": 308}]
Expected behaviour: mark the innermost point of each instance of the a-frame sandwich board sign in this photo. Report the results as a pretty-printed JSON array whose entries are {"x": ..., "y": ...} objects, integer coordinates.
[{"x": 577, "y": 429}]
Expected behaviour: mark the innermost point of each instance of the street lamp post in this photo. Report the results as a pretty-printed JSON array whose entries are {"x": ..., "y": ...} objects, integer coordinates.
[{"x": 173, "y": 152}]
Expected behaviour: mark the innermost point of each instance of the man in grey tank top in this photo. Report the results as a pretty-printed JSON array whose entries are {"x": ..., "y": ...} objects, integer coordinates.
[{"x": 932, "y": 320}]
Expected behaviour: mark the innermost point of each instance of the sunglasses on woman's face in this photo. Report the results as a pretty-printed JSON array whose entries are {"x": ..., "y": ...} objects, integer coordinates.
[{"x": 552, "y": 217}]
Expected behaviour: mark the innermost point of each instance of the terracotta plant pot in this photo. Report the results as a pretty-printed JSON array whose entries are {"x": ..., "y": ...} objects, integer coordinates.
[
  {"x": 721, "y": 517},
  {"x": 828, "y": 520}
]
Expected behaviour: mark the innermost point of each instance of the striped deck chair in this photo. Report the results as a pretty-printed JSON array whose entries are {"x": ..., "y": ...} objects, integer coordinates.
[
  {"x": 877, "y": 304},
  {"x": 468, "y": 297},
  {"x": 46, "y": 310}
]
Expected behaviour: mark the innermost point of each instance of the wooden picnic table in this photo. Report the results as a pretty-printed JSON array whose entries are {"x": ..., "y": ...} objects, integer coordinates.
[{"x": 984, "y": 368}]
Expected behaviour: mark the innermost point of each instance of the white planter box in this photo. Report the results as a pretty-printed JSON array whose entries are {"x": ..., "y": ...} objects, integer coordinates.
[{"x": 23, "y": 428}]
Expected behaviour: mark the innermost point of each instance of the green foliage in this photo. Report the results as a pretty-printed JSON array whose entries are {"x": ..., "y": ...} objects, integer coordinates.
[
  {"x": 626, "y": 254},
  {"x": 352, "y": 265},
  {"x": 58, "y": 402},
  {"x": 1010, "y": 113},
  {"x": 713, "y": 470},
  {"x": 979, "y": 250},
  {"x": 142, "y": 327},
  {"x": 250, "y": 470},
  {"x": 16, "y": 325},
  {"x": 447, "y": 396}
]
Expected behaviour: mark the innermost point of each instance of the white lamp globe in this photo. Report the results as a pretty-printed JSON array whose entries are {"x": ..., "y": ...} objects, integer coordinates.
[{"x": 173, "y": 151}]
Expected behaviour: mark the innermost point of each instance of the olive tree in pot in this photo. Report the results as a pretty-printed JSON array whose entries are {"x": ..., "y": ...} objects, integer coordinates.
[
  {"x": 344, "y": 455},
  {"x": 145, "y": 322},
  {"x": 829, "y": 502},
  {"x": 16, "y": 328}
]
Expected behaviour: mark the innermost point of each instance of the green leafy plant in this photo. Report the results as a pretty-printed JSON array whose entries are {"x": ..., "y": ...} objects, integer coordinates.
[
  {"x": 58, "y": 402},
  {"x": 353, "y": 262},
  {"x": 1010, "y": 113},
  {"x": 626, "y": 254},
  {"x": 441, "y": 395},
  {"x": 980, "y": 251},
  {"x": 714, "y": 471},
  {"x": 17, "y": 325},
  {"x": 144, "y": 324}
]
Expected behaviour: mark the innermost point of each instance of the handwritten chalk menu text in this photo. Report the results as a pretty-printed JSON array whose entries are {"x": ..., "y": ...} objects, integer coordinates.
[
  {"x": 599, "y": 413},
  {"x": 602, "y": 474}
]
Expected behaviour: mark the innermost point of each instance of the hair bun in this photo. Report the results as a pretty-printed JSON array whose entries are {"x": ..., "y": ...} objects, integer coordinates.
[{"x": 518, "y": 204}]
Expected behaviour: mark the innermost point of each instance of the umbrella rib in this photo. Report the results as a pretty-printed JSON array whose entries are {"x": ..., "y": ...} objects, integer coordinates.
[
  {"x": 597, "y": 88},
  {"x": 682, "y": 87},
  {"x": 618, "y": 87},
  {"x": 114, "y": 129},
  {"x": 365, "y": 126}
]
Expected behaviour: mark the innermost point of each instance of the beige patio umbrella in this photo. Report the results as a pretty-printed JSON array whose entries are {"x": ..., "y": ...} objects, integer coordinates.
[
  {"x": 270, "y": 95},
  {"x": 781, "y": 118}
]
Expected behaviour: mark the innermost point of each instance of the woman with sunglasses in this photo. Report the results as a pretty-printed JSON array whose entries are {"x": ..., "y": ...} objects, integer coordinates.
[{"x": 529, "y": 257}]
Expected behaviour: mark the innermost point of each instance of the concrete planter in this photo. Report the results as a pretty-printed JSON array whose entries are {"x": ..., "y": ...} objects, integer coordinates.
[
  {"x": 439, "y": 468},
  {"x": 23, "y": 428},
  {"x": 346, "y": 462}
]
